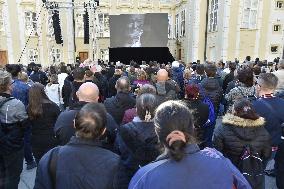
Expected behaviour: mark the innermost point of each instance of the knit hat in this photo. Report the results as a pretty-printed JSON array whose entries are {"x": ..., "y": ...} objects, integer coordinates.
[{"x": 175, "y": 64}]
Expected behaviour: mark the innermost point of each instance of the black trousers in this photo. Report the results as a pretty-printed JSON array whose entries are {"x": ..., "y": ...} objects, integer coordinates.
[{"x": 11, "y": 167}]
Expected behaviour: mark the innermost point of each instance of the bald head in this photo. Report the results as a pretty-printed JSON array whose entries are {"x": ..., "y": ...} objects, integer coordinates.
[
  {"x": 123, "y": 85},
  {"x": 88, "y": 92},
  {"x": 162, "y": 75}
]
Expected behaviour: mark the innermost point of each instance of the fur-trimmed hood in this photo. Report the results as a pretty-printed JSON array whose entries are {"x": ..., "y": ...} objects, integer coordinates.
[{"x": 241, "y": 122}]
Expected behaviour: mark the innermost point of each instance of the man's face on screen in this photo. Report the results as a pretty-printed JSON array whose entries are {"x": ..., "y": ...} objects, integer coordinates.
[{"x": 135, "y": 28}]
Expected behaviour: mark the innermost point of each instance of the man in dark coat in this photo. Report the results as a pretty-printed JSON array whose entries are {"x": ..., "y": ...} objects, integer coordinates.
[
  {"x": 13, "y": 118},
  {"x": 64, "y": 130},
  {"x": 279, "y": 162},
  {"x": 83, "y": 162},
  {"x": 117, "y": 105}
]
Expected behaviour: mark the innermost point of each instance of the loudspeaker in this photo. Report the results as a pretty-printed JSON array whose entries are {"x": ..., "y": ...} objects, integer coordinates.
[
  {"x": 57, "y": 28},
  {"x": 86, "y": 28}
]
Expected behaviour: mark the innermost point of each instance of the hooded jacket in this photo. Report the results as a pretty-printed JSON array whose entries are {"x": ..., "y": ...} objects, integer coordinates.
[
  {"x": 236, "y": 132},
  {"x": 117, "y": 105},
  {"x": 13, "y": 118},
  {"x": 53, "y": 93}
]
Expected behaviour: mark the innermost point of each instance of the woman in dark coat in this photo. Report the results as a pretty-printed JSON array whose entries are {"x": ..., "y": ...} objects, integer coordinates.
[
  {"x": 137, "y": 141},
  {"x": 242, "y": 127},
  {"x": 200, "y": 112},
  {"x": 43, "y": 114}
]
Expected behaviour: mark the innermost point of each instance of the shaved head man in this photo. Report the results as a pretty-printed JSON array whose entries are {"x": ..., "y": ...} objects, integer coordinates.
[
  {"x": 162, "y": 75},
  {"x": 64, "y": 130},
  {"x": 88, "y": 92}
]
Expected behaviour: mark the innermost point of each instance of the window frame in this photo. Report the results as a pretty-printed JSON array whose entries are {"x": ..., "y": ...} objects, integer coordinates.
[
  {"x": 31, "y": 23},
  {"x": 182, "y": 23},
  {"x": 250, "y": 9},
  {"x": 276, "y": 5},
  {"x": 274, "y": 45},
  {"x": 54, "y": 52},
  {"x": 213, "y": 16},
  {"x": 104, "y": 28},
  {"x": 79, "y": 24},
  {"x": 34, "y": 53}
]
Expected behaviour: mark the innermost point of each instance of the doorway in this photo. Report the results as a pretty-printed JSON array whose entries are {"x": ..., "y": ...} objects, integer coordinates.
[
  {"x": 83, "y": 56},
  {"x": 3, "y": 58}
]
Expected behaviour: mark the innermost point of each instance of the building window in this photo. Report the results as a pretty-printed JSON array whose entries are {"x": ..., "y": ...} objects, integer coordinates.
[
  {"x": 182, "y": 24},
  {"x": 280, "y": 4},
  {"x": 50, "y": 29},
  {"x": 169, "y": 26},
  {"x": 274, "y": 48},
  {"x": 33, "y": 55},
  {"x": 177, "y": 26},
  {"x": 55, "y": 55},
  {"x": 104, "y": 54},
  {"x": 104, "y": 25},
  {"x": 213, "y": 16},
  {"x": 277, "y": 28},
  {"x": 79, "y": 25},
  {"x": 2, "y": 27},
  {"x": 30, "y": 23},
  {"x": 250, "y": 14}
]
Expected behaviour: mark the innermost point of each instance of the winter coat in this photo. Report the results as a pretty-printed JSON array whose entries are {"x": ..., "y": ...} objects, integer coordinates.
[
  {"x": 111, "y": 85},
  {"x": 64, "y": 126},
  {"x": 239, "y": 92},
  {"x": 138, "y": 146},
  {"x": 21, "y": 91},
  {"x": 43, "y": 138},
  {"x": 213, "y": 89},
  {"x": 200, "y": 112},
  {"x": 14, "y": 118},
  {"x": 166, "y": 91},
  {"x": 274, "y": 116},
  {"x": 228, "y": 78},
  {"x": 81, "y": 163},
  {"x": 117, "y": 105},
  {"x": 235, "y": 132},
  {"x": 206, "y": 169},
  {"x": 53, "y": 93},
  {"x": 69, "y": 92},
  {"x": 39, "y": 77},
  {"x": 102, "y": 83}
]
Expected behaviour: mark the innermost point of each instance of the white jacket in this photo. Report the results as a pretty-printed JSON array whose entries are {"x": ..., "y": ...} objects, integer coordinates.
[{"x": 53, "y": 93}]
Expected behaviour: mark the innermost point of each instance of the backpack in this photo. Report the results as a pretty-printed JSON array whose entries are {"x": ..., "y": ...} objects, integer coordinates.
[
  {"x": 252, "y": 167},
  {"x": 250, "y": 98}
]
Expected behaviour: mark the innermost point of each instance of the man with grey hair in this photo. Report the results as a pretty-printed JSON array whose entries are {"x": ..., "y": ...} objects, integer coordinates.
[
  {"x": 122, "y": 101},
  {"x": 280, "y": 74},
  {"x": 270, "y": 107},
  {"x": 64, "y": 130},
  {"x": 13, "y": 118}
]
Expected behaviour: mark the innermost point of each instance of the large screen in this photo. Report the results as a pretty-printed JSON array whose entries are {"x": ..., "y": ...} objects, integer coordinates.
[{"x": 139, "y": 30}]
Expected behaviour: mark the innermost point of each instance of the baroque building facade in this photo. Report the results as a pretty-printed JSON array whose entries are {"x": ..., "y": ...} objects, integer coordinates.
[{"x": 198, "y": 29}]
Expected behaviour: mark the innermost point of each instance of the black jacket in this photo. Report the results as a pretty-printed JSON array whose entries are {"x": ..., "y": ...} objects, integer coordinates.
[
  {"x": 228, "y": 78},
  {"x": 138, "y": 146},
  {"x": 200, "y": 112},
  {"x": 235, "y": 132},
  {"x": 64, "y": 128},
  {"x": 213, "y": 90},
  {"x": 117, "y": 105},
  {"x": 111, "y": 85},
  {"x": 42, "y": 130},
  {"x": 70, "y": 88}
]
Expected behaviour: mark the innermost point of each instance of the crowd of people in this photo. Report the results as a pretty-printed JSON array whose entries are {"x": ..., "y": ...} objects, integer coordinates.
[{"x": 175, "y": 125}]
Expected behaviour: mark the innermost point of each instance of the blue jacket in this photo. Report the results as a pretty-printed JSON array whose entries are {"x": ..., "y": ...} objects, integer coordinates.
[
  {"x": 80, "y": 164},
  {"x": 206, "y": 169},
  {"x": 272, "y": 109},
  {"x": 21, "y": 91}
]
